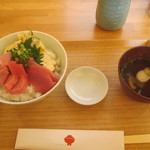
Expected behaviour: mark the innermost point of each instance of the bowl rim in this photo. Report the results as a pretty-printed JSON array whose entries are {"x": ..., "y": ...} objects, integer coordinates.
[
  {"x": 122, "y": 79},
  {"x": 56, "y": 85}
]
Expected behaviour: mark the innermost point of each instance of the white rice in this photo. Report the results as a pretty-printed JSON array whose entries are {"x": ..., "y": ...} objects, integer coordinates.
[{"x": 29, "y": 94}]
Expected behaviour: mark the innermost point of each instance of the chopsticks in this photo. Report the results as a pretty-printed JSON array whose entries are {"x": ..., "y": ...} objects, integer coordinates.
[{"x": 133, "y": 139}]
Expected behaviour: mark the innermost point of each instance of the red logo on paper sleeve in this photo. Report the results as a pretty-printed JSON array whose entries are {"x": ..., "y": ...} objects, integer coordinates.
[{"x": 69, "y": 139}]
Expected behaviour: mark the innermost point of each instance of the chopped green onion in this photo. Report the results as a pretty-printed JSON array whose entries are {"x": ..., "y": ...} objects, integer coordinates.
[{"x": 25, "y": 51}]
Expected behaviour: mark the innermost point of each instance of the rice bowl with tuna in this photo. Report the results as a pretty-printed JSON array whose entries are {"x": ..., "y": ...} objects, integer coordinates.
[{"x": 30, "y": 68}]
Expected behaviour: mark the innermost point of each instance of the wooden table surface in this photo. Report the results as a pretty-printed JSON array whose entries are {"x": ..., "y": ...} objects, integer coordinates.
[
  {"x": 73, "y": 23},
  {"x": 70, "y": 19},
  {"x": 117, "y": 111}
]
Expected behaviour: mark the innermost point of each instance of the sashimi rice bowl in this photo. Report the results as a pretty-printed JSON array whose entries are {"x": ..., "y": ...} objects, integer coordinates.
[{"x": 32, "y": 65}]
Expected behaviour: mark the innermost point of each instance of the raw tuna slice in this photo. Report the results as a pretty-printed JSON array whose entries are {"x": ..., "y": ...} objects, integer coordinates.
[
  {"x": 52, "y": 75},
  {"x": 21, "y": 86},
  {"x": 40, "y": 77},
  {"x": 4, "y": 74},
  {"x": 11, "y": 82},
  {"x": 4, "y": 59},
  {"x": 18, "y": 80}
]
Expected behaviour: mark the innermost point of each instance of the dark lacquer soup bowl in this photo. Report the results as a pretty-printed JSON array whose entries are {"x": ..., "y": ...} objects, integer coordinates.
[{"x": 134, "y": 72}]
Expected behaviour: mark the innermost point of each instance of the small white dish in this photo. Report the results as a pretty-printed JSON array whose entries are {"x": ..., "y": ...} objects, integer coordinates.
[{"x": 86, "y": 85}]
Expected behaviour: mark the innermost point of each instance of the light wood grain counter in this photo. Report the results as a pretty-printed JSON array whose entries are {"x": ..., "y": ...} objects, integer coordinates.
[
  {"x": 70, "y": 19},
  {"x": 116, "y": 112},
  {"x": 73, "y": 23}
]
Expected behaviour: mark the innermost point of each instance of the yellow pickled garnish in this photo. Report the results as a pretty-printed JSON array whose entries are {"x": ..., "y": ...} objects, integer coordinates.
[{"x": 48, "y": 62}]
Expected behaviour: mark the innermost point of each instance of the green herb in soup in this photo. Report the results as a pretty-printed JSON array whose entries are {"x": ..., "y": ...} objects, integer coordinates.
[{"x": 136, "y": 74}]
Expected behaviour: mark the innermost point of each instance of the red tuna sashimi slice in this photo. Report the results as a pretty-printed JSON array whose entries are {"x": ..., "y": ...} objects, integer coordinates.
[
  {"x": 4, "y": 74},
  {"x": 42, "y": 83},
  {"x": 10, "y": 82},
  {"x": 16, "y": 69},
  {"x": 40, "y": 77},
  {"x": 53, "y": 76},
  {"x": 20, "y": 87},
  {"x": 5, "y": 58},
  {"x": 50, "y": 73},
  {"x": 18, "y": 80}
]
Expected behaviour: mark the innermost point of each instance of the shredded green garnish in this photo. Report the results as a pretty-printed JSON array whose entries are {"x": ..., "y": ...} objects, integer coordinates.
[
  {"x": 139, "y": 92},
  {"x": 25, "y": 51}
]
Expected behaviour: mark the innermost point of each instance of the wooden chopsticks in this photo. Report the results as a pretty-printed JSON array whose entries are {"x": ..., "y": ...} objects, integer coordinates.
[{"x": 131, "y": 139}]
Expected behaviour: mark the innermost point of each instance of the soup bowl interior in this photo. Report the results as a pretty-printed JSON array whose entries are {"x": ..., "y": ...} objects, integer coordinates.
[{"x": 140, "y": 52}]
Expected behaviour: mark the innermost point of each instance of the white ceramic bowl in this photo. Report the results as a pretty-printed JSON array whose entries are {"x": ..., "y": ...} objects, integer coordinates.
[
  {"x": 49, "y": 42},
  {"x": 86, "y": 85}
]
